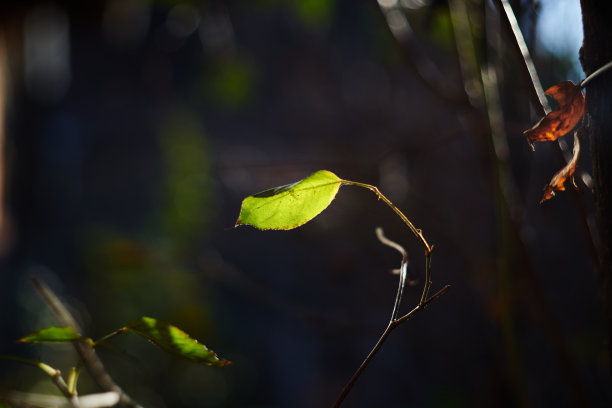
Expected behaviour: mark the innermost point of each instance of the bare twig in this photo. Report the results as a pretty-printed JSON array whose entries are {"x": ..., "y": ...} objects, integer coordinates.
[
  {"x": 403, "y": 269},
  {"x": 595, "y": 74},
  {"x": 394, "y": 321},
  {"x": 383, "y": 337},
  {"x": 536, "y": 91}
]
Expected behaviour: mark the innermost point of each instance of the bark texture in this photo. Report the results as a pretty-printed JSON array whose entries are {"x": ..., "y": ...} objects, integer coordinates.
[{"x": 595, "y": 52}]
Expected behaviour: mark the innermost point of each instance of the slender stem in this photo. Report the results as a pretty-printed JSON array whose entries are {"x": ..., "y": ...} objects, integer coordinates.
[
  {"x": 109, "y": 336},
  {"x": 364, "y": 364},
  {"x": 383, "y": 337},
  {"x": 427, "y": 278},
  {"x": 595, "y": 74},
  {"x": 394, "y": 321},
  {"x": 539, "y": 98},
  {"x": 403, "y": 269},
  {"x": 380, "y": 195},
  {"x": 73, "y": 377},
  {"x": 422, "y": 306}
]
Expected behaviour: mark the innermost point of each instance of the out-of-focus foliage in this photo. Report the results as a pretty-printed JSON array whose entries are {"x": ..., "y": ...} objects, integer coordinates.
[
  {"x": 230, "y": 82},
  {"x": 316, "y": 14},
  {"x": 187, "y": 205}
]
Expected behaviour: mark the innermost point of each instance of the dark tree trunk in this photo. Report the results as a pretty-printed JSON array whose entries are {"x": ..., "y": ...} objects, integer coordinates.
[{"x": 597, "y": 51}]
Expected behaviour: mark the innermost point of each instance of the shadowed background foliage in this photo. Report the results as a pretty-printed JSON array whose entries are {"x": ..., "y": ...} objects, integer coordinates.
[{"x": 134, "y": 129}]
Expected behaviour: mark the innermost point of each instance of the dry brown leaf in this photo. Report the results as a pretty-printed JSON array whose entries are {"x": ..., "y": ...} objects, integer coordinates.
[
  {"x": 559, "y": 122},
  {"x": 556, "y": 183}
]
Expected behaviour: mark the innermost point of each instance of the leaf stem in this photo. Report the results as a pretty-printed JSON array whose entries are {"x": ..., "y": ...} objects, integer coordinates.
[
  {"x": 109, "y": 336},
  {"x": 415, "y": 230}
]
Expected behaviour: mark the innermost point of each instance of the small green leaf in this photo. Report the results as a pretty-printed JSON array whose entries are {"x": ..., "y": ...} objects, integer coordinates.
[
  {"x": 288, "y": 207},
  {"x": 175, "y": 341},
  {"x": 51, "y": 334}
]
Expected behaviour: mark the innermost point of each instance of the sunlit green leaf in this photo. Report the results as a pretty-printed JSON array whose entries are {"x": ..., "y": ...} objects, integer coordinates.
[
  {"x": 290, "y": 206},
  {"x": 173, "y": 340},
  {"x": 51, "y": 334}
]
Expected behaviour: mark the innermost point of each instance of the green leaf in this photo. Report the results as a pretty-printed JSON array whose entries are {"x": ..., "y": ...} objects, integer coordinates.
[
  {"x": 288, "y": 207},
  {"x": 174, "y": 341},
  {"x": 51, "y": 334}
]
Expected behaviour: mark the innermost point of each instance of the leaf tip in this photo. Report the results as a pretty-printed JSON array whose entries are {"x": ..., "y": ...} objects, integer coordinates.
[{"x": 549, "y": 193}]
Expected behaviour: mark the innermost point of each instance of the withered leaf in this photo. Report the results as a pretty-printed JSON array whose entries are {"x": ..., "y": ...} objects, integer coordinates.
[
  {"x": 556, "y": 183},
  {"x": 562, "y": 120}
]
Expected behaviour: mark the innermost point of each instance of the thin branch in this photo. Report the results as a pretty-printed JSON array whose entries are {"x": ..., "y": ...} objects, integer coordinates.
[
  {"x": 110, "y": 336},
  {"x": 85, "y": 349},
  {"x": 536, "y": 91},
  {"x": 415, "y": 230},
  {"x": 405, "y": 262},
  {"x": 383, "y": 337},
  {"x": 422, "y": 306},
  {"x": 347, "y": 388},
  {"x": 403, "y": 269},
  {"x": 394, "y": 321},
  {"x": 427, "y": 279},
  {"x": 595, "y": 74}
]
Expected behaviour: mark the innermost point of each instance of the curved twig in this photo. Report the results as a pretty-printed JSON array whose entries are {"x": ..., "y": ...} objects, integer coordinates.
[{"x": 394, "y": 321}]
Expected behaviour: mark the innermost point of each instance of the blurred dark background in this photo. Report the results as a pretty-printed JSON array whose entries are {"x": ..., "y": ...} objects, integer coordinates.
[{"x": 133, "y": 130}]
